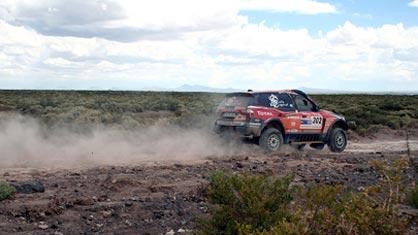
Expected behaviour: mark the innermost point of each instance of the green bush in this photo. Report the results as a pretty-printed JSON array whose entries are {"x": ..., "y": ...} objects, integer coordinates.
[
  {"x": 255, "y": 202},
  {"x": 260, "y": 205},
  {"x": 413, "y": 197},
  {"x": 327, "y": 209},
  {"x": 88, "y": 107},
  {"x": 6, "y": 191},
  {"x": 391, "y": 107}
]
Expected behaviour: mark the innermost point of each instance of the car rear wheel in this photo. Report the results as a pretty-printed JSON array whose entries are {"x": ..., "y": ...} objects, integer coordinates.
[
  {"x": 337, "y": 140},
  {"x": 271, "y": 140}
]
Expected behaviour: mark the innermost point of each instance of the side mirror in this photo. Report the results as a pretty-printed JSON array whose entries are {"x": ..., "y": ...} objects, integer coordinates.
[{"x": 317, "y": 108}]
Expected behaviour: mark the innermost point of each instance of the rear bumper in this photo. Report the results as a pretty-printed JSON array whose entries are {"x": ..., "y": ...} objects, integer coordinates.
[{"x": 243, "y": 129}]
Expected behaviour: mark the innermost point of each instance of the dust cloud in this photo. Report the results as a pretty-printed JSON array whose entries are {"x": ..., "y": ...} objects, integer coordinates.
[{"x": 25, "y": 142}]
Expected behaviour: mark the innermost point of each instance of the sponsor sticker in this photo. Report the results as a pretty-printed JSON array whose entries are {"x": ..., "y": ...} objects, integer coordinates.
[
  {"x": 313, "y": 122},
  {"x": 264, "y": 113},
  {"x": 275, "y": 102}
]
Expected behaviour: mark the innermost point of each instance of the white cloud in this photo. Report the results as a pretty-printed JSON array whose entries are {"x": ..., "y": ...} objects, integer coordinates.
[
  {"x": 60, "y": 62},
  {"x": 413, "y": 3},
  {"x": 363, "y": 16},
  {"x": 127, "y": 20},
  {"x": 215, "y": 47},
  {"x": 299, "y": 6},
  {"x": 122, "y": 20}
]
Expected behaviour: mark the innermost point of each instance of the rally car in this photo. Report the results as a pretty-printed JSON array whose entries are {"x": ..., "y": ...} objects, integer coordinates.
[{"x": 274, "y": 118}]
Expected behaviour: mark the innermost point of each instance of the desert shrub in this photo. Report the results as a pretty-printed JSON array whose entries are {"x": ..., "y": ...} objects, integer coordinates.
[
  {"x": 328, "y": 210},
  {"x": 372, "y": 129},
  {"x": 413, "y": 124},
  {"x": 51, "y": 107},
  {"x": 413, "y": 197},
  {"x": 391, "y": 107},
  {"x": 47, "y": 102},
  {"x": 244, "y": 205},
  {"x": 394, "y": 111},
  {"x": 129, "y": 122},
  {"x": 256, "y": 202},
  {"x": 6, "y": 191},
  {"x": 394, "y": 124}
]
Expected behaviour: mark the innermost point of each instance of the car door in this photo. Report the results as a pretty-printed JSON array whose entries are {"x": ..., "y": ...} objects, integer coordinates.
[
  {"x": 279, "y": 106},
  {"x": 311, "y": 121}
]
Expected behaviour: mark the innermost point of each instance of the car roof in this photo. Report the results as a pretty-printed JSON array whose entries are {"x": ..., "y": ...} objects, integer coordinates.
[
  {"x": 273, "y": 91},
  {"x": 294, "y": 92}
]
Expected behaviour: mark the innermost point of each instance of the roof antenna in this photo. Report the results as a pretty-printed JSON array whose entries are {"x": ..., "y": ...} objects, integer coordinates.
[{"x": 249, "y": 90}]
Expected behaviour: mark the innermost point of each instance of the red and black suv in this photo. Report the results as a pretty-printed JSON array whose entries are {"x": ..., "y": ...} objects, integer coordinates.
[{"x": 274, "y": 118}]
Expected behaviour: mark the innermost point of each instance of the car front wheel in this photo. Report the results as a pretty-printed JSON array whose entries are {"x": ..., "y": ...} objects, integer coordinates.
[{"x": 337, "y": 140}]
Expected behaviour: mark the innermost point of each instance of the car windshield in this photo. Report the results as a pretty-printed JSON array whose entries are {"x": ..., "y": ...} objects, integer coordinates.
[{"x": 238, "y": 100}]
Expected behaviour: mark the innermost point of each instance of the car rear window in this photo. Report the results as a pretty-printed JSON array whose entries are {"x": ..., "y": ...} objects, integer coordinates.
[
  {"x": 238, "y": 100},
  {"x": 280, "y": 101}
]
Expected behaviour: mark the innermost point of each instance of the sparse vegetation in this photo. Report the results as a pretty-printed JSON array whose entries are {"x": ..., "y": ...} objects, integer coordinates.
[
  {"x": 255, "y": 202},
  {"x": 413, "y": 197},
  {"x": 135, "y": 109},
  {"x": 262, "y": 205},
  {"x": 83, "y": 109},
  {"x": 372, "y": 112},
  {"x": 6, "y": 191}
]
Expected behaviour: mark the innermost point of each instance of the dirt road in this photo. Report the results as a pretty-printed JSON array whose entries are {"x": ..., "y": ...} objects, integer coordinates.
[{"x": 159, "y": 197}]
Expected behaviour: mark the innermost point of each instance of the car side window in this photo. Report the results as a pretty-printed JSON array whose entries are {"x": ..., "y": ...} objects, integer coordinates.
[
  {"x": 303, "y": 104},
  {"x": 280, "y": 101}
]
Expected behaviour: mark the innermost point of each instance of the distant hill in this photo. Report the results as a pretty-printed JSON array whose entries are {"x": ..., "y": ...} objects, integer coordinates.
[
  {"x": 198, "y": 88},
  {"x": 193, "y": 88},
  {"x": 308, "y": 90},
  {"x": 319, "y": 91}
]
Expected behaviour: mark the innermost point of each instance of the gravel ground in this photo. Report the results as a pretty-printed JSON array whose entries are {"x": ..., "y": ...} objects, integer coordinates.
[{"x": 161, "y": 197}]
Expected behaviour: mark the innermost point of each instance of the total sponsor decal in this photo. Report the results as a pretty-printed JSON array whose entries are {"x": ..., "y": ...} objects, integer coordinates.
[{"x": 264, "y": 113}]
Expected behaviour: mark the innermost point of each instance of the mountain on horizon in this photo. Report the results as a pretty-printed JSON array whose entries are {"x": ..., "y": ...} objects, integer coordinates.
[
  {"x": 307, "y": 90},
  {"x": 199, "y": 88},
  {"x": 193, "y": 88}
]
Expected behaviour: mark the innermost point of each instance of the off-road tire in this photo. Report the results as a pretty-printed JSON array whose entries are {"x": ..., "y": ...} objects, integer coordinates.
[
  {"x": 337, "y": 140},
  {"x": 271, "y": 140}
]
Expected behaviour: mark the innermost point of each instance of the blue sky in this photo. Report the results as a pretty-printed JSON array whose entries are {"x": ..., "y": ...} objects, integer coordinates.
[
  {"x": 121, "y": 44},
  {"x": 367, "y": 13}
]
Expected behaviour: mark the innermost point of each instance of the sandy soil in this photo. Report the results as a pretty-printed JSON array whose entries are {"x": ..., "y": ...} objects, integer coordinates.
[{"x": 157, "y": 197}]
